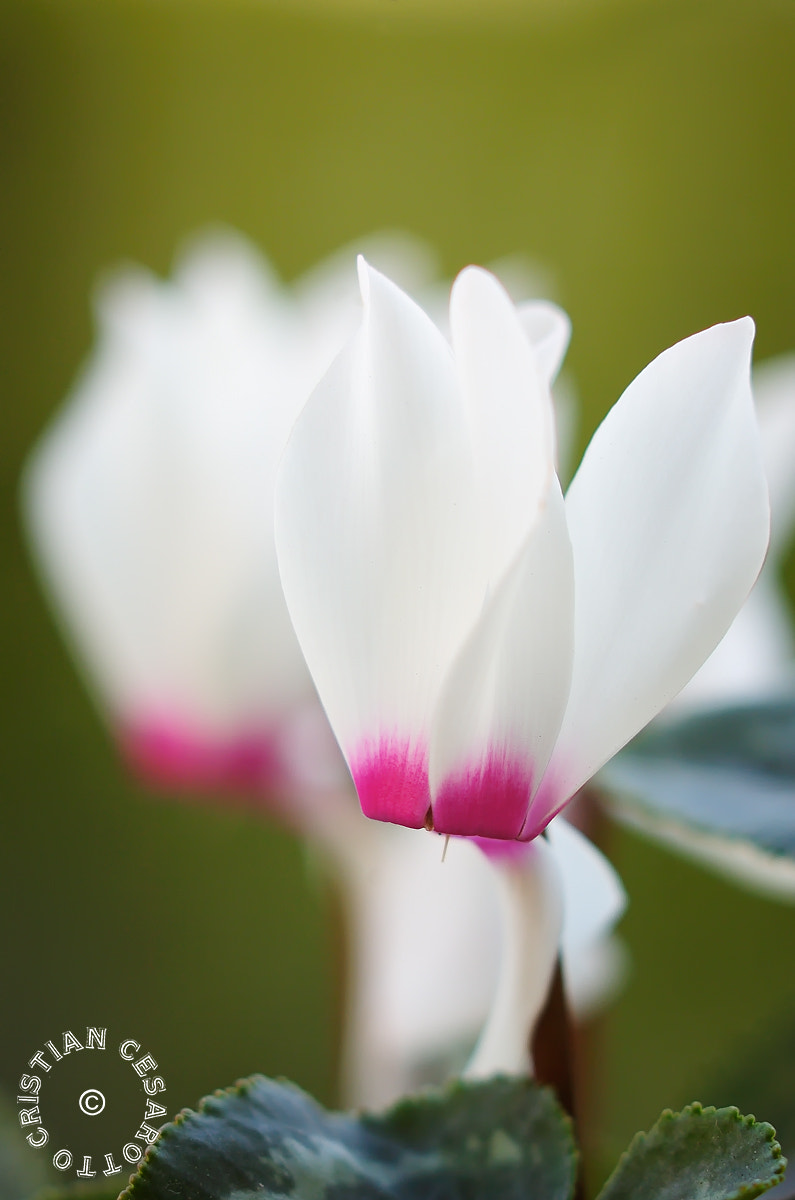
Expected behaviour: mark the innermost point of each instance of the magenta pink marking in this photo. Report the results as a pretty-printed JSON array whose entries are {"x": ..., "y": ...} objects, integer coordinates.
[
  {"x": 391, "y": 777},
  {"x": 502, "y": 850},
  {"x": 488, "y": 799},
  {"x": 166, "y": 754}
]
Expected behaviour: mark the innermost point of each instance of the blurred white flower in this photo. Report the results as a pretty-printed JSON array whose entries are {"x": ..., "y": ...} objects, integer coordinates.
[{"x": 150, "y": 507}]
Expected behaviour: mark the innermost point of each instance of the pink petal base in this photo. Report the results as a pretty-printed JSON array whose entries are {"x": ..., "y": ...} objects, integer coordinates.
[
  {"x": 501, "y": 850},
  {"x": 166, "y": 754},
  {"x": 391, "y": 777},
  {"x": 489, "y": 799}
]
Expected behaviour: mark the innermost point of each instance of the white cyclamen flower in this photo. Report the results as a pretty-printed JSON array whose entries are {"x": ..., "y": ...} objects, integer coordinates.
[
  {"x": 482, "y": 646},
  {"x": 150, "y": 506}
]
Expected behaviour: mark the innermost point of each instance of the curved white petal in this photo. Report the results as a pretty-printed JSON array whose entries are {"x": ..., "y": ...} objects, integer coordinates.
[
  {"x": 439, "y": 917},
  {"x": 425, "y": 960},
  {"x": 668, "y": 517},
  {"x": 532, "y": 913},
  {"x": 501, "y": 707},
  {"x": 595, "y": 976},
  {"x": 548, "y": 329},
  {"x": 593, "y": 895},
  {"x": 594, "y": 899},
  {"x": 377, "y": 534},
  {"x": 509, "y": 409},
  {"x": 328, "y": 294}
]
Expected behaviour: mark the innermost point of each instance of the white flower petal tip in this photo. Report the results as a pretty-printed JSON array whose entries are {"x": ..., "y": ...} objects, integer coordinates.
[
  {"x": 477, "y": 287},
  {"x": 594, "y": 896},
  {"x": 548, "y": 328},
  {"x": 363, "y": 270},
  {"x": 384, "y": 300}
]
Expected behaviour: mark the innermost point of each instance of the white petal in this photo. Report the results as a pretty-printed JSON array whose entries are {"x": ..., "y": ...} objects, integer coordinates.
[
  {"x": 376, "y": 533},
  {"x": 668, "y": 517},
  {"x": 503, "y": 701},
  {"x": 595, "y": 976},
  {"x": 425, "y": 960},
  {"x": 510, "y": 412},
  {"x": 594, "y": 899},
  {"x": 220, "y": 269},
  {"x": 593, "y": 895},
  {"x": 438, "y": 926},
  {"x": 548, "y": 329},
  {"x": 531, "y": 896},
  {"x": 332, "y": 287}
]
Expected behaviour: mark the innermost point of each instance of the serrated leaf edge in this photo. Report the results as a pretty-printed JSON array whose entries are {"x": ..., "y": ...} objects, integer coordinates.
[
  {"x": 241, "y": 1087},
  {"x": 458, "y": 1085},
  {"x": 667, "y": 1116},
  {"x": 439, "y": 1095}
]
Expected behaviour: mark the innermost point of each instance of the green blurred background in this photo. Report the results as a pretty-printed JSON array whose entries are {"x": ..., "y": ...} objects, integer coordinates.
[{"x": 643, "y": 154}]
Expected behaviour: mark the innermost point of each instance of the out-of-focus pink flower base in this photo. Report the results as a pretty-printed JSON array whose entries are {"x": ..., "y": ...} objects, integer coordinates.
[{"x": 278, "y": 769}]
